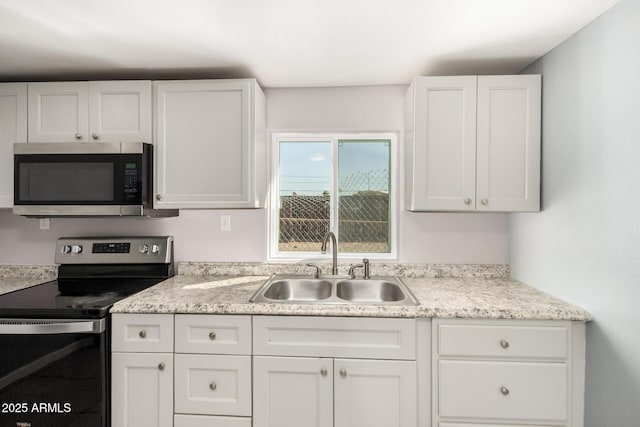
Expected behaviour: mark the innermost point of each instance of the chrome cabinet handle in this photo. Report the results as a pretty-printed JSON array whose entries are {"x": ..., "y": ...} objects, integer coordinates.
[
  {"x": 158, "y": 197},
  {"x": 78, "y": 136},
  {"x": 95, "y": 136},
  {"x": 467, "y": 201},
  {"x": 504, "y": 391},
  {"x": 323, "y": 372},
  {"x": 212, "y": 336},
  {"x": 485, "y": 201},
  {"x": 213, "y": 386},
  {"x": 161, "y": 366},
  {"x": 504, "y": 344},
  {"x": 343, "y": 373},
  {"x": 143, "y": 334}
]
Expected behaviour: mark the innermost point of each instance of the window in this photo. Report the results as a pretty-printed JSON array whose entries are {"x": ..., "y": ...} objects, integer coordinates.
[{"x": 341, "y": 183}]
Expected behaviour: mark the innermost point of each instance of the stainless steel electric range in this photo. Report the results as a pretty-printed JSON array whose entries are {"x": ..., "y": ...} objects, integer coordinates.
[{"x": 55, "y": 336}]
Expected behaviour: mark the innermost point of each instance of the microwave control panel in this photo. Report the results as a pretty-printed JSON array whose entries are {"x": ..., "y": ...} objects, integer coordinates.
[{"x": 130, "y": 179}]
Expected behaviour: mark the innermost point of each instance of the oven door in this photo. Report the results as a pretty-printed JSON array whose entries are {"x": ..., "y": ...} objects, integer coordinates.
[{"x": 53, "y": 373}]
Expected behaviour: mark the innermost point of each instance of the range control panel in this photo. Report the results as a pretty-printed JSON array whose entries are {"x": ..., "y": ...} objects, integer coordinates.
[{"x": 115, "y": 250}]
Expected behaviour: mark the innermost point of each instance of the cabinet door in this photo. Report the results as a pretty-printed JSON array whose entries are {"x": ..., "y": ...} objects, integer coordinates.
[
  {"x": 13, "y": 128},
  {"x": 292, "y": 392},
  {"x": 508, "y": 143},
  {"x": 375, "y": 393},
  {"x": 120, "y": 111},
  {"x": 443, "y": 158},
  {"x": 205, "y": 142},
  {"x": 59, "y": 112},
  {"x": 142, "y": 390}
]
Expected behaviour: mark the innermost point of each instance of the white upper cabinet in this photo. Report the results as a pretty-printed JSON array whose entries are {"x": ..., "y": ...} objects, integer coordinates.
[
  {"x": 120, "y": 111},
  {"x": 440, "y": 156},
  {"x": 508, "y": 143},
  {"x": 109, "y": 111},
  {"x": 13, "y": 128},
  {"x": 473, "y": 143},
  {"x": 210, "y": 144},
  {"x": 58, "y": 112}
]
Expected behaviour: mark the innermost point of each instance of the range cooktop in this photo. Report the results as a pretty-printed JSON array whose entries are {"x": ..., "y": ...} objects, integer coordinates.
[{"x": 94, "y": 274}]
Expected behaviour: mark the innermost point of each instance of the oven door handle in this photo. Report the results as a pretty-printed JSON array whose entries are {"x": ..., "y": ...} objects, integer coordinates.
[{"x": 50, "y": 327}]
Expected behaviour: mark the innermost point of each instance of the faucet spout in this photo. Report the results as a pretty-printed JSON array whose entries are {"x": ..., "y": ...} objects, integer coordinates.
[{"x": 334, "y": 250}]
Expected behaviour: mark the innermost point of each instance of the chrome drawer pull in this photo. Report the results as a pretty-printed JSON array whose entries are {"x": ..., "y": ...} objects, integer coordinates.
[
  {"x": 323, "y": 372},
  {"x": 161, "y": 366},
  {"x": 143, "y": 334},
  {"x": 212, "y": 336},
  {"x": 213, "y": 386},
  {"x": 504, "y": 344},
  {"x": 504, "y": 390}
]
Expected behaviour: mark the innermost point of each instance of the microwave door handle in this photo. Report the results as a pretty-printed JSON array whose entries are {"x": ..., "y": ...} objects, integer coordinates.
[{"x": 45, "y": 327}]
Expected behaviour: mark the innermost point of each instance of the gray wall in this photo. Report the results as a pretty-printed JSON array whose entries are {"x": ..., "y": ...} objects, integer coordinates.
[{"x": 585, "y": 245}]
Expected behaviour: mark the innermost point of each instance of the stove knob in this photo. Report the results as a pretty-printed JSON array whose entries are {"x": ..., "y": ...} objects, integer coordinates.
[
  {"x": 144, "y": 248},
  {"x": 76, "y": 249},
  {"x": 65, "y": 249},
  {"x": 155, "y": 249}
]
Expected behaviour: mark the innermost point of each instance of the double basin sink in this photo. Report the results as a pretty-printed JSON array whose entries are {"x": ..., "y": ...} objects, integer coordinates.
[{"x": 333, "y": 290}]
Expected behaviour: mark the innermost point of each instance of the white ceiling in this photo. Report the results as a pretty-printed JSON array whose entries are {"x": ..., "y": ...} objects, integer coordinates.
[{"x": 283, "y": 43}]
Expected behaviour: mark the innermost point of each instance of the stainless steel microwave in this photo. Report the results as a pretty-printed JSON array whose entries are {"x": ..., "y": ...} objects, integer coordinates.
[{"x": 84, "y": 180}]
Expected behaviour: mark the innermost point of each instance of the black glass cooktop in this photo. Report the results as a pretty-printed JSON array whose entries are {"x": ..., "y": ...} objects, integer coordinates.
[{"x": 48, "y": 301}]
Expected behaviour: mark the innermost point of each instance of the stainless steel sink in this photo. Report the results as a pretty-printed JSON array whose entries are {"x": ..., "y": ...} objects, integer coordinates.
[
  {"x": 281, "y": 289},
  {"x": 298, "y": 290},
  {"x": 377, "y": 291}
]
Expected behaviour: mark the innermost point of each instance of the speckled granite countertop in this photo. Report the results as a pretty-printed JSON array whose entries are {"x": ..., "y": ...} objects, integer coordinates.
[
  {"x": 16, "y": 277},
  {"x": 484, "y": 292}
]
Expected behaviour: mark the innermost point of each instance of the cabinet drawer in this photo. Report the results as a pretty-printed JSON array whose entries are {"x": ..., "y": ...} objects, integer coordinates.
[
  {"x": 548, "y": 342},
  {"x": 494, "y": 425},
  {"x": 210, "y": 421},
  {"x": 365, "y": 338},
  {"x": 211, "y": 334},
  {"x": 213, "y": 385},
  {"x": 142, "y": 333},
  {"x": 505, "y": 390}
]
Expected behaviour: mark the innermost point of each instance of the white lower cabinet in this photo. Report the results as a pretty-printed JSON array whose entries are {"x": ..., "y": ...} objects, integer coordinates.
[
  {"x": 212, "y": 371},
  {"x": 489, "y": 373},
  {"x": 142, "y": 389},
  {"x": 348, "y": 384},
  {"x": 375, "y": 393},
  {"x": 491, "y": 425},
  {"x": 292, "y": 392},
  {"x": 142, "y": 370},
  {"x": 325, "y": 392},
  {"x": 304, "y": 371},
  {"x": 212, "y": 384},
  {"x": 206, "y": 421},
  {"x": 511, "y": 390}
]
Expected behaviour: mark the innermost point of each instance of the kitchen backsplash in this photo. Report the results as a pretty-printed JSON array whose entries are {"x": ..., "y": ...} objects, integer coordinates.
[{"x": 486, "y": 271}]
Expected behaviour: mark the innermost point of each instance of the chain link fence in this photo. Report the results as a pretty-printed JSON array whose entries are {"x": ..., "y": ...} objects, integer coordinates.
[{"x": 363, "y": 216}]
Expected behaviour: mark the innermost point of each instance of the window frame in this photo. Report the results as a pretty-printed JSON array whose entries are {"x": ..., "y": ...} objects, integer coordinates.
[{"x": 333, "y": 138}]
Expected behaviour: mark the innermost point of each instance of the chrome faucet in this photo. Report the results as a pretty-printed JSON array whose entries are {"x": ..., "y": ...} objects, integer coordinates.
[{"x": 334, "y": 251}]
